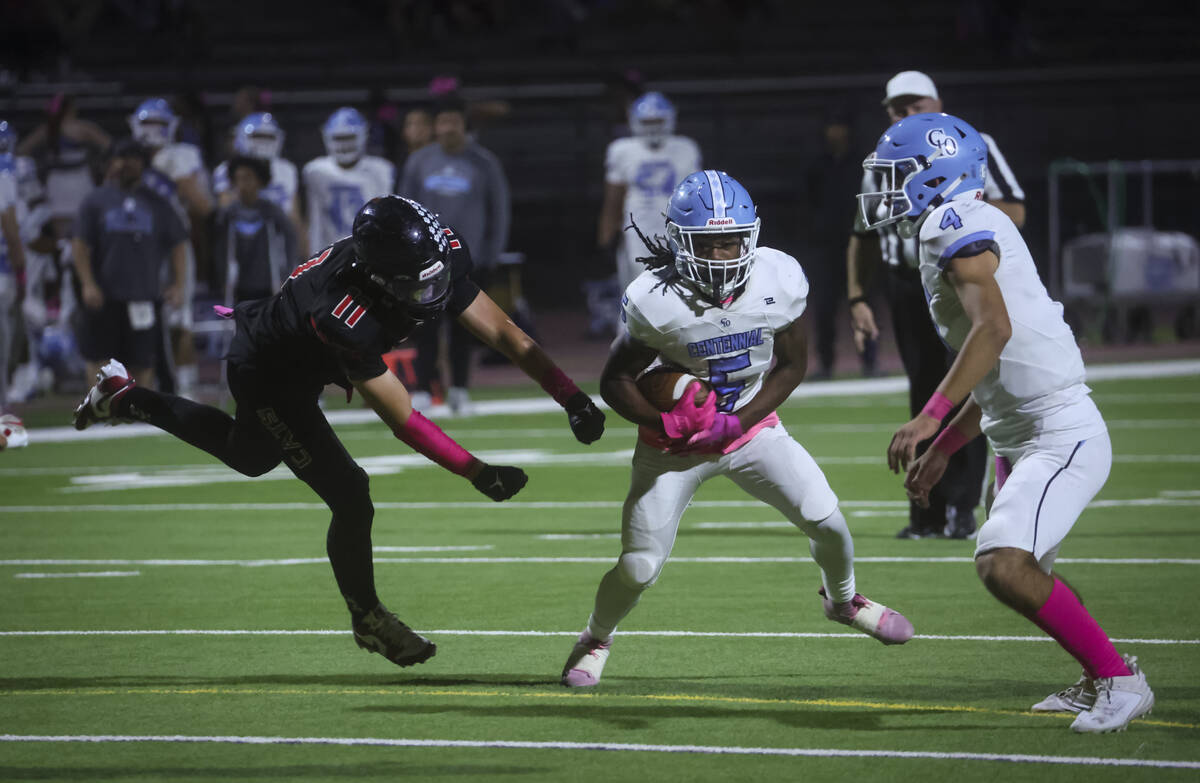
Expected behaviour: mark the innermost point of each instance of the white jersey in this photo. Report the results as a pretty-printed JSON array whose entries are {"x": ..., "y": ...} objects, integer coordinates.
[
  {"x": 731, "y": 348},
  {"x": 9, "y": 198},
  {"x": 1037, "y": 387},
  {"x": 649, "y": 175},
  {"x": 178, "y": 160},
  {"x": 282, "y": 190},
  {"x": 335, "y": 194}
]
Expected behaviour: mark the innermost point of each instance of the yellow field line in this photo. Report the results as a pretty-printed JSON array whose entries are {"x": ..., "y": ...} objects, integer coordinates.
[{"x": 669, "y": 697}]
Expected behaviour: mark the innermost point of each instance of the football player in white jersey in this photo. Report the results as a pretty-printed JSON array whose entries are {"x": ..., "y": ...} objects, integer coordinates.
[
  {"x": 177, "y": 174},
  {"x": 338, "y": 183},
  {"x": 640, "y": 171},
  {"x": 1022, "y": 377},
  {"x": 718, "y": 307},
  {"x": 258, "y": 135}
]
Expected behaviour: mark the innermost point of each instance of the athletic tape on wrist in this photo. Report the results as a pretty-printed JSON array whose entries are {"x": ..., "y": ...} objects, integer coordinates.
[
  {"x": 938, "y": 406},
  {"x": 950, "y": 440},
  {"x": 559, "y": 386},
  {"x": 423, "y": 436}
]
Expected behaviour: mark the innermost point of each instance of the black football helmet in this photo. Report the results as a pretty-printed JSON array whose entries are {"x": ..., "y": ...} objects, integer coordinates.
[{"x": 400, "y": 247}]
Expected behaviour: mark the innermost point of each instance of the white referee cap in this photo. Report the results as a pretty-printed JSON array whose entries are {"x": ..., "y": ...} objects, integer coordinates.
[{"x": 910, "y": 83}]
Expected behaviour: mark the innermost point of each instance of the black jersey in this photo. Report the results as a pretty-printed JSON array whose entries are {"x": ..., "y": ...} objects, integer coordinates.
[{"x": 328, "y": 324}]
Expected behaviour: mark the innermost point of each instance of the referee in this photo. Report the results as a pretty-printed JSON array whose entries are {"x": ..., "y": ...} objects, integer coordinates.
[{"x": 926, "y": 359}]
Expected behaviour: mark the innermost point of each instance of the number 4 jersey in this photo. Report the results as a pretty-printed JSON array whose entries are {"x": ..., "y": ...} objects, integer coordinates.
[
  {"x": 1036, "y": 390},
  {"x": 731, "y": 348}
]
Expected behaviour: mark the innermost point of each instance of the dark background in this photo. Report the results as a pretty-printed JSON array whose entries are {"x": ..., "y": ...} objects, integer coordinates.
[{"x": 754, "y": 83}]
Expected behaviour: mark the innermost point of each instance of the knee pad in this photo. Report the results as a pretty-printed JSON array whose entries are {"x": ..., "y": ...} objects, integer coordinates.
[{"x": 638, "y": 570}]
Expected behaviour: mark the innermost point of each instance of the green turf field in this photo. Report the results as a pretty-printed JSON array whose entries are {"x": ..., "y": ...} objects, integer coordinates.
[{"x": 731, "y": 657}]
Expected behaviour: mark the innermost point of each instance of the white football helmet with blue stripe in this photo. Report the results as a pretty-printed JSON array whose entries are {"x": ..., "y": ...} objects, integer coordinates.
[
  {"x": 708, "y": 208},
  {"x": 259, "y": 136},
  {"x": 345, "y": 136},
  {"x": 153, "y": 123},
  {"x": 652, "y": 117}
]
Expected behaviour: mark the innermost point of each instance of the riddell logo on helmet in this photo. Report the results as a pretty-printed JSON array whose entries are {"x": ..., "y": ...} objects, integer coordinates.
[
  {"x": 430, "y": 272},
  {"x": 725, "y": 221}
]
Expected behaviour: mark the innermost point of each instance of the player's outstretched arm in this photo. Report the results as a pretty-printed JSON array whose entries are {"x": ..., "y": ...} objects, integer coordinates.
[
  {"x": 390, "y": 401},
  {"x": 974, "y": 280},
  {"x": 484, "y": 319}
]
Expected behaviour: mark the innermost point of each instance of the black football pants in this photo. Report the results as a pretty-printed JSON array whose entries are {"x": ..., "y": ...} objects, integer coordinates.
[
  {"x": 926, "y": 360},
  {"x": 280, "y": 421}
]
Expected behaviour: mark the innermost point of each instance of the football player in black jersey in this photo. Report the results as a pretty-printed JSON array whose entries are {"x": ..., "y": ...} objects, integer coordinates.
[{"x": 329, "y": 323}]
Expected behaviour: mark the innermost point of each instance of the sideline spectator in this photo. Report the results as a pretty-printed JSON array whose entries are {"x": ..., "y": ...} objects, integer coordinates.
[
  {"x": 124, "y": 235},
  {"x": 255, "y": 241},
  {"x": 65, "y": 147},
  {"x": 465, "y": 185}
]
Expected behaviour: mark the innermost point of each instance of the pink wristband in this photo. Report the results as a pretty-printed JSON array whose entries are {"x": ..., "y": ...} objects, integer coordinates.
[
  {"x": 950, "y": 440},
  {"x": 427, "y": 438},
  {"x": 559, "y": 386},
  {"x": 938, "y": 406}
]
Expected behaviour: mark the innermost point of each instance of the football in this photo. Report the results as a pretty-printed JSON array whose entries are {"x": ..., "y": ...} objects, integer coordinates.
[{"x": 663, "y": 386}]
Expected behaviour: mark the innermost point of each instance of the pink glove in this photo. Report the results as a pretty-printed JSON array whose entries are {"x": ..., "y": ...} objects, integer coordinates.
[
  {"x": 685, "y": 418},
  {"x": 725, "y": 429}
]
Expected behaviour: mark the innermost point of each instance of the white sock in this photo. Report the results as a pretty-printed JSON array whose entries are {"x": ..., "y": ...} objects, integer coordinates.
[
  {"x": 833, "y": 549},
  {"x": 614, "y": 600}
]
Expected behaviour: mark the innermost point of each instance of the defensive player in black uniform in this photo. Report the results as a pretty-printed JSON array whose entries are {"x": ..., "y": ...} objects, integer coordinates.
[{"x": 329, "y": 323}]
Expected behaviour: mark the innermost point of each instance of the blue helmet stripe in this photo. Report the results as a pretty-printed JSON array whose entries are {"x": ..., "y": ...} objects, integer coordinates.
[{"x": 718, "y": 192}]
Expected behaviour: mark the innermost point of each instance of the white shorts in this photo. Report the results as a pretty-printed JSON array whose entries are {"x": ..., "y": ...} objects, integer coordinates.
[
  {"x": 1043, "y": 496},
  {"x": 772, "y": 467}
]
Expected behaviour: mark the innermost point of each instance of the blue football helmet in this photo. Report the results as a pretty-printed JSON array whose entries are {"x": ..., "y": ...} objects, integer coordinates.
[
  {"x": 345, "y": 136},
  {"x": 259, "y": 136},
  {"x": 153, "y": 123},
  {"x": 924, "y": 160},
  {"x": 8, "y": 139},
  {"x": 709, "y": 206},
  {"x": 652, "y": 117}
]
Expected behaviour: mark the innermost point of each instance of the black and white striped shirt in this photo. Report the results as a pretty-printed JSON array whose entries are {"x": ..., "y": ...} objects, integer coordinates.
[{"x": 1001, "y": 185}]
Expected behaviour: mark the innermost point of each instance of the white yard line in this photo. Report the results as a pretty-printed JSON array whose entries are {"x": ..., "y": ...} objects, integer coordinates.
[
  {"x": 73, "y": 574},
  {"x": 533, "y": 633},
  {"x": 723, "y": 750},
  {"x": 720, "y": 560},
  {"x": 1186, "y": 501},
  {"x": 92, "y": 478},
  {"x": 838, "y": 390}
]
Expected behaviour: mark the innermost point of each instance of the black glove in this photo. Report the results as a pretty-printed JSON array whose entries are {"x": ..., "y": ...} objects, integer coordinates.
[
  {"x": 587, "y": 421},
  {"x": 500, "y": 482}
]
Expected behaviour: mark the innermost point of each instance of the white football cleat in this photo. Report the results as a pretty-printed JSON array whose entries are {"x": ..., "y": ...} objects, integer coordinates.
[
  {"x": 1118, "y": 701},
  {"x": 13, "y": 431},
  {"x": 112, "y": 382},
  {"x": 873, "y": 619},
  {"x": 1076, "y": 698},
  {"x": 459, "y": 400},
  {"x": 586, "y": 662}
]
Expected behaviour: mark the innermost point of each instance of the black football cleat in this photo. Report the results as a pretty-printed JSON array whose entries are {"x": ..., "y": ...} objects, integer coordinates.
[{"x": 382, "y": 632}]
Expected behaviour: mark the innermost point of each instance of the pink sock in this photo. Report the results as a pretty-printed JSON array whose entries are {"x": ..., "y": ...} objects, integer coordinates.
[{"x": 1065, "y": 619}]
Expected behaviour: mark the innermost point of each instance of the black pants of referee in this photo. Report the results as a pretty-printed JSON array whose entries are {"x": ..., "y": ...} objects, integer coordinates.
[
  {"x": 926, "y": 360},
  {"x": 278, "y": 420}
]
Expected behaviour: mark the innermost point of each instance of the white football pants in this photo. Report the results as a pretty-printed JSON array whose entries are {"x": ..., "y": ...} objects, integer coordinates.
[
  {"x": 772, "y": 467},
  {"x": 1048, "y": 489}
]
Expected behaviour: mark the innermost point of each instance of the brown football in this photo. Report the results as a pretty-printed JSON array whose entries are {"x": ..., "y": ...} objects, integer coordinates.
[{"x": 663, "y": 386}]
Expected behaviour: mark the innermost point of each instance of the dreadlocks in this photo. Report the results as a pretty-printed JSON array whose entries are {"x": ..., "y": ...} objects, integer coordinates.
[{"x": 660, "y": 254}]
